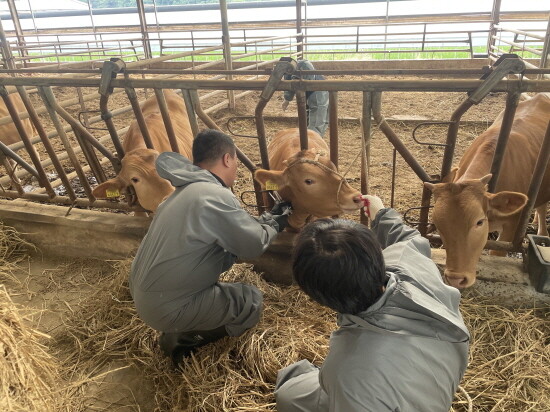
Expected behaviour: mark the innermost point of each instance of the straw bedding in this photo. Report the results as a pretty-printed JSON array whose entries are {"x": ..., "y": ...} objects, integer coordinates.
[
  {"x": 509, "y": 361},
  {"x": 508, "y": 371}
]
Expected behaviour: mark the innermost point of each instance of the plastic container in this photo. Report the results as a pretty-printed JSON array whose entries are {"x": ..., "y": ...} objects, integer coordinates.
[{"x": 537, "y": 267}]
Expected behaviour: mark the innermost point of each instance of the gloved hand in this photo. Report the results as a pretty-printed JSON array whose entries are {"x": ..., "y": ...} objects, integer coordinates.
[
  {"x": 280, "y": 212},
  {"x": 372, "y": 204},
  {"x": 285, "y": 104},
  {"x": 281, "y": 208}
]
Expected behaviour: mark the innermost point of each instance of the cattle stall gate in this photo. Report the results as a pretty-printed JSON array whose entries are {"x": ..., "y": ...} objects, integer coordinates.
[{"x": 89, "y": 153}]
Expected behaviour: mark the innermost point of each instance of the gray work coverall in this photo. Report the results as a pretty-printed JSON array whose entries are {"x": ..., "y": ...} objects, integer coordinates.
[
  {"x": 317, "y": 102},
  {"x": 196, "y": 234},
  {"x": 407, "y": 352}
]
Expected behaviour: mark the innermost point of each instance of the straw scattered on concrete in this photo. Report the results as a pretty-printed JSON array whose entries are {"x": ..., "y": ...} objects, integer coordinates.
[
  {"x": 508, "y": 370},
  {"x": 29, "y": 374},
  {"x": 13, "y": 250}
]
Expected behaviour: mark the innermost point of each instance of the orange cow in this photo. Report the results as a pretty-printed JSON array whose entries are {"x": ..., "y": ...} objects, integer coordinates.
[
  {"x": 306, "y": 178},
  {"x": 8, "y": 132},
  {"x": 138, "y": 165},
  {"x": 464, "y": 212}
]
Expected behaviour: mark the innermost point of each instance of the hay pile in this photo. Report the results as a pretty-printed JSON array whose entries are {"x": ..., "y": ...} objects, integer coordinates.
[
  {"x": 508, "y": 370},
  {"x": 13, "y": 250},
  {"x": 29, "y": 374}
]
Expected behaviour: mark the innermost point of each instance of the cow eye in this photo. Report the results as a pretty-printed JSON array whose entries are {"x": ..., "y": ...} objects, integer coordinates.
[
  {"x": 135, "y": 179},
  {"x": 480, "y": 222},
  {"x": 308, "y": 181}
]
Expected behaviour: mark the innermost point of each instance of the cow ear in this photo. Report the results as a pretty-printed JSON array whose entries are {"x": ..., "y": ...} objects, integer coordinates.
[
  {"x": 274, "y": 177},
  {"x": 504, "y": 204},
  {"x": 112, "y": 188},
  {"x": 450, "y": 177}
]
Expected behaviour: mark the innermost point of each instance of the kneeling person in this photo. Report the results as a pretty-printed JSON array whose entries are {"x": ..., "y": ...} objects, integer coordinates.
[
  {"x": 196, "y": 235},
  {"x": 401, "y": 344}
]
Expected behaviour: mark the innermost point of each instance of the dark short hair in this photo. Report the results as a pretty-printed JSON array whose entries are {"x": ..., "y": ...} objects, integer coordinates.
[
  {"x": 210, "y": 145},
  {"x": 339, "y": 263}
]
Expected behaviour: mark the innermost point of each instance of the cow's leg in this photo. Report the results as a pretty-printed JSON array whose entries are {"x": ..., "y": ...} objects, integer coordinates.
[{"x": 540, "y": 216}]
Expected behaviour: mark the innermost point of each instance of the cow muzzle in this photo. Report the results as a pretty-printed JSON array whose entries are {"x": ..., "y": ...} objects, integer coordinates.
[{"x": 459, "y": 280}]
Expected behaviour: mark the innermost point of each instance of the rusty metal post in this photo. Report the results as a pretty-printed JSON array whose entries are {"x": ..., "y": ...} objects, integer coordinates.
[
  {"x": 226, "y": 40},
  {"x": 512, "y": 101},
  {"x": 424, "y": 211},
  {"x": 18, "y": 31},
  {"x": 495, "y": 20},
  {"x": 144, "y": 31},
  {"x": 452, "y": 133},
  {"x": 45, "y": 140},
  {"x": 6, "y": 51},
  {"x": 134, "y": 102},
  {"x": 49, "y": 102},
  {"x": 301, "y": 103},
  {"x": 544, "y": 61},
  {"x": 284, "y": 65},
  {"x": 532, "y": 193},
  {"x": 394, "y": 139},
  {"x": 166, "y": 119},
  {"x": 190, "y": 108},
  {"x": 333, "y": 126},
  {"x": 300, "y": 37},
  {"x": 366, "y": 123},
  {"x": 33, "y": 154},
  {"x": 109, "y": 72}
]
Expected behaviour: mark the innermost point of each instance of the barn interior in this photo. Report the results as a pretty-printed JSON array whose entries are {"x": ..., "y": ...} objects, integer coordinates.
[{"x": 409, "y": 93}]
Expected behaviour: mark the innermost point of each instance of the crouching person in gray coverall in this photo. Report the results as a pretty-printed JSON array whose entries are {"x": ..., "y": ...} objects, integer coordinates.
[
  {"x": 316, "y": 102},
  {"x": 196, "y": 234},
  {"x": 401, "y": 344}
]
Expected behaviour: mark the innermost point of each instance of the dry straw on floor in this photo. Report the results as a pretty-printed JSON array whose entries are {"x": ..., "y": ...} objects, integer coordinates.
[
  {"x": 508, "y": 370},
  {"x": 28, "y": 373}
]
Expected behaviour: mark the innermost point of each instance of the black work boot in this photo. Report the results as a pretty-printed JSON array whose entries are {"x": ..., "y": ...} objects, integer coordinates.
[{"x": 179, "y": 345}]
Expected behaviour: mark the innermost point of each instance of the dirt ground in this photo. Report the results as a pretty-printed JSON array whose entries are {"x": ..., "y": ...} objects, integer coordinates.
[{"x": 58, "y": 290}]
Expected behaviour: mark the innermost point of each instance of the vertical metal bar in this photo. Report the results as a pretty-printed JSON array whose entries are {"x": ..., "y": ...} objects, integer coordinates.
[
  {"x": 300, "y": 37},
  {"x": 452, "y": 133},
  {"x": 545, "y": 49},
  {"x": 6, "y": 51},
  {"x": 190, "y": 111},
  {"x": 44, "y": 138},
  {"x": 143, "y": 27},
  {"x": 512, "y": 101},
  {"x": 424, "y": 211},
  {"x": 167, "y": 121},
  {"x": 48, "y": 97},
  {"x": 532, "y": 193},
  {"x": 394, "y": 166},
  {"x": 89, "y": 154},
  {"x": 18, "y": 31},
  {"x": 302, "y": 118},
  {"x": 495, "y": 19},
  {"x": 82, "y": 105},
  {"x": 333, "y": 126},
  {"x": 366, "y": 123},
  {"x": 226, "y": 40},
  {"x": 132, "y": 96},
  {"x": 42, "y": 178},
  {"x": 470, "y": 42}
]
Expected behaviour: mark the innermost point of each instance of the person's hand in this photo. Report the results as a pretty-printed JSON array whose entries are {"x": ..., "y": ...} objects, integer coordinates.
[
  {"x": 281, "y": 208},
  {"x": 285, "y": 104},
  {"x": 280, "y": 212},
  {"x": 371, "y": 205}
]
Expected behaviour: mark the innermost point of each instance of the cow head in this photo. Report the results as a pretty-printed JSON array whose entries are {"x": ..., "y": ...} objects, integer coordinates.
[
  {"x": 138, "y": 170},
  {"x": 311, "y": 183},
  {"x": 464, "y": 214}
]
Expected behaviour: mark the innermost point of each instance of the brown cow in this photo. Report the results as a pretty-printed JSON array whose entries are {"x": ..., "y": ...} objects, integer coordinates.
[
  {"x": 464, "y": 212},
  {"x": 138, "y": 165},
  {"x": 8, "y": 132},
  {"x": 307, "y": 178}
]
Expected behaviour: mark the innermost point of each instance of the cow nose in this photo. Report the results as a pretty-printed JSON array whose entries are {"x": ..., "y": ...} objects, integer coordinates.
[{"x": 457, "y": 280}]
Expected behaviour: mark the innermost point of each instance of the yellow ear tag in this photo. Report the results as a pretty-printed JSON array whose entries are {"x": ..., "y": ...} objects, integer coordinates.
[
  {"x": 112, "y": 193},
  {"x": 271, "y": 186}
]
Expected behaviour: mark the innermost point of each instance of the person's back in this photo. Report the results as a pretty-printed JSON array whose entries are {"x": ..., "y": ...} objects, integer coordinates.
[{"x": 401, "y": 344}]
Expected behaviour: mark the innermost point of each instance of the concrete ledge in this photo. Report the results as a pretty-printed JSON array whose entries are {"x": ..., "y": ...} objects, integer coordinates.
[{"x": 83, "y": 233}]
